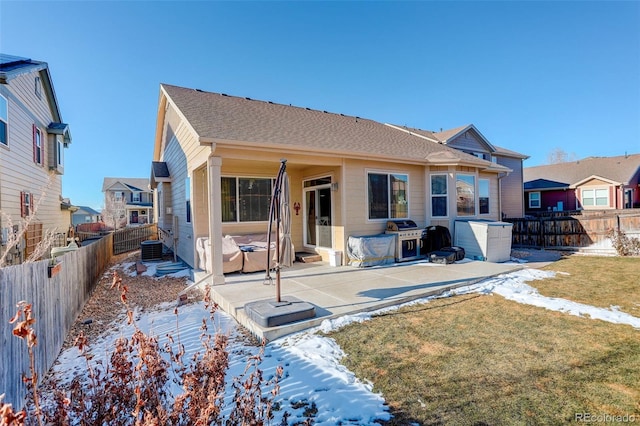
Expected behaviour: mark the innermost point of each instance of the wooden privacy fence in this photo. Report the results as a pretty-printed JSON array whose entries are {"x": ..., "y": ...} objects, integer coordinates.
[
  {"x": 129, "y": 239},
  {"x": 572, "y": 232},
  {"x": 56, "y": 302}
]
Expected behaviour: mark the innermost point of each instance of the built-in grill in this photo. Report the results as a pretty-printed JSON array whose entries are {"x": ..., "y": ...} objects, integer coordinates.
[{"x": 408, "y": 239}]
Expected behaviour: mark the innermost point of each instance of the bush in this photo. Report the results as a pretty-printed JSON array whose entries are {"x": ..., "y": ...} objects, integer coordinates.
[
  {"x": 132, "y": 387},
  {"x": 624, "y": 245}
]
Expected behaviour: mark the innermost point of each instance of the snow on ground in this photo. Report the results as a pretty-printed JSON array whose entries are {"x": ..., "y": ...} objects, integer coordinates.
[{"x": 311, "y": 362}]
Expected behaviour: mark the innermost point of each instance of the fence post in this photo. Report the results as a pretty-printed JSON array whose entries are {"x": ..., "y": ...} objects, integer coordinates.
[{"x": 542, "y": 244}]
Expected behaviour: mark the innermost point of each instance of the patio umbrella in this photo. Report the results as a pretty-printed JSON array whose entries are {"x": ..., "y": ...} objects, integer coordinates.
[
  {"x": 276, "y": 210},
  {"x": 286, "y": 252}
]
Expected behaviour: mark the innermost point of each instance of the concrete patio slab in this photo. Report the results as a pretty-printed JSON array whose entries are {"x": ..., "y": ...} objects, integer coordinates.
[{"x": 339, "y": 291}]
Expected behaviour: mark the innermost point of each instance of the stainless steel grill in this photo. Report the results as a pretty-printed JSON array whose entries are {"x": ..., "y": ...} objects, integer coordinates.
[{"x": 408, "y": 239}]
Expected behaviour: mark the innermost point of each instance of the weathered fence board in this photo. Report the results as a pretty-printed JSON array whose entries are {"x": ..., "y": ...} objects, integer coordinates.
[
  {"x": 129, "y": 239},
  {"x": 572, "y": 232},
  {"x": 56, "y": 302}
]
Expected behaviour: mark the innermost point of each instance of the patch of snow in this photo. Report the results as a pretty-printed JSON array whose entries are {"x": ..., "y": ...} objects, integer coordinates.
[{"x": 312, "y": 370}]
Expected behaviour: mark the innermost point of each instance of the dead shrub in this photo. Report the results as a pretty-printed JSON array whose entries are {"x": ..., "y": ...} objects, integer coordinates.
[
  {"x": 132, "y": 387},
  {"x": 624, "y": 245}
]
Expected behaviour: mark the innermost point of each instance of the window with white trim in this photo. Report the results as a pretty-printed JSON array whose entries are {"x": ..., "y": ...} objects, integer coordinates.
[
  {"x": 484, "y": 191},
  {"x": 37, "y": 145},
  {"x": 118, "y": 196},
  {"x": 187, "y": 196},
  {"x": 4, "y": 121},
  {"x": 388, "y": 195},
  {"x": 246, "y": 199},
  {"x": 439, "y": 195},
  {"x": 466, "y": 194},
  {"x": 534, "y": 200},
  {"x": 595, "y": 197},
  {"x": 60, "y": 151},
  {"x": 136, "y": 197}
]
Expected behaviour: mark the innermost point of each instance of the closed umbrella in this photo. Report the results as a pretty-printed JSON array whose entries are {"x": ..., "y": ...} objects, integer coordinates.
[{"x": 286, "y": 249}]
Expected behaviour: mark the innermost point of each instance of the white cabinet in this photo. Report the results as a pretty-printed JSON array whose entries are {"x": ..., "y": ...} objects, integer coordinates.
[{"x": 484, "y": 239}]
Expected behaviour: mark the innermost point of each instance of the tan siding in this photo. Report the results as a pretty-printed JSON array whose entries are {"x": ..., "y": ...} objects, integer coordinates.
[
  {"x": 355, "y": 187},
  {"x": 596, "y": 182},
  {"x": 183, "y": 155},
  {"x": 512, "y": 187},
  {"x": 18, "y": 172}
]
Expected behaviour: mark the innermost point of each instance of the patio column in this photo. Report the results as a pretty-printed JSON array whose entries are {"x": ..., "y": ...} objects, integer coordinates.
[{"x": 215, "y": 219}]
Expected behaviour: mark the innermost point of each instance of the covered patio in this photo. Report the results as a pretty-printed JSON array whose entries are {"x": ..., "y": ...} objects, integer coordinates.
[{"x": 339, "y": 291}]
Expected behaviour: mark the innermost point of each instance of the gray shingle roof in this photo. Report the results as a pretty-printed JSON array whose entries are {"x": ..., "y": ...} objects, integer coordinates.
[
  {"x": 618, "y": 169},
  {"x": 230, "y": 119},
  {"x": 140, "y": 184},
  {"x": 544, "y": 184},
  {"x": 87, "y": 210},
  {"x": 444, "y": 137}
]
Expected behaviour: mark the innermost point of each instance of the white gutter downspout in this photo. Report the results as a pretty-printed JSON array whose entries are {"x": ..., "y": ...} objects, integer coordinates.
[{"x": 215, "y": 219}]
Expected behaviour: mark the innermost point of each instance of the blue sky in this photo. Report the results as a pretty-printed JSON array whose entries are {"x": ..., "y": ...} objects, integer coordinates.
[{"x": 531, "y": 76}]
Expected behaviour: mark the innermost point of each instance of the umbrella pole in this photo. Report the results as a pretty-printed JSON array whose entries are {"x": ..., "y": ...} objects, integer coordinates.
[{"x": 278, "y": 249}]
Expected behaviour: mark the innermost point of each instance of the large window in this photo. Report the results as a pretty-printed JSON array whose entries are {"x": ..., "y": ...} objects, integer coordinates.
[
  {"x": 388, "y": 196},
  {"x": 483, "y": 195},
  {"x": 595, "y": 197},
  {"x": 246, "y": 199},
  {"x": 439, "y": 195},
  {"x": 4, "y": 121},
  {"x": 466, "y": 193}
]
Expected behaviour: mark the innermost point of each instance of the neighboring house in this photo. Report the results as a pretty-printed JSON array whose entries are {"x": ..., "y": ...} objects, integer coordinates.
[
  {"x": 127, "y": 202},
  {"x": 469, "y": 139},
  {"x": 33, "y": 138},
  {"x": 593, "y": 183},
  {"x": 216, "y": 156},
  {"x": 85, "y": 214}
]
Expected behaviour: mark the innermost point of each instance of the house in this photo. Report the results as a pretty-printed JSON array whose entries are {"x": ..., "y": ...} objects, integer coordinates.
[
  {"x": 33, "y": 138},
  {"x": 127, "y": 202},
  {"x": 216, "y": 157},
  {"x": 593, "y": 183},
  {"x": 469, "y": 139},
  {"x": 85, "y": 214}
]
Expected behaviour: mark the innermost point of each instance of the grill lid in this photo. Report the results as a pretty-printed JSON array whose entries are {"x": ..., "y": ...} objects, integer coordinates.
[{"x": 401, "y": 225}]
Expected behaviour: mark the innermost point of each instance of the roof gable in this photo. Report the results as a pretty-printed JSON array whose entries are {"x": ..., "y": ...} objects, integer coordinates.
[
  {"x": 592, "y": 178},
  {"x": 14, "y": 66},
  {"x": 450, "y": 137},
  {"x": 125, "y": 184}
]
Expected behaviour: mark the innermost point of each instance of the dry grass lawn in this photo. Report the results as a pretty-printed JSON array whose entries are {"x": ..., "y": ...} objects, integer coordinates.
[
  {"x": 478, "y": 359},
  {"x": 597, "y": 281}
]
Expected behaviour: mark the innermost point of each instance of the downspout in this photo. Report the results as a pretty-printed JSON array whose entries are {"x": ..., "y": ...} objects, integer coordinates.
[
  {"x": 215, "y": 218},
  {"x": 500, "y": 176}
]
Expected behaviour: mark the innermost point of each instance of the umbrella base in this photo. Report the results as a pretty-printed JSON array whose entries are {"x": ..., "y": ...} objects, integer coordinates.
[{"x": 269, "y": 313}]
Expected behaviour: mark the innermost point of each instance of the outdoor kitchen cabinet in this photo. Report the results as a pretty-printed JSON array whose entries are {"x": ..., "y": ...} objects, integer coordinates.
[{"x": 484, "y": 239}]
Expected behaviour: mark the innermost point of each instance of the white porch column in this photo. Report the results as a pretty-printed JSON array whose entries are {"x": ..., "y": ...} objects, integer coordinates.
[{"x": 215, "y": 219}]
